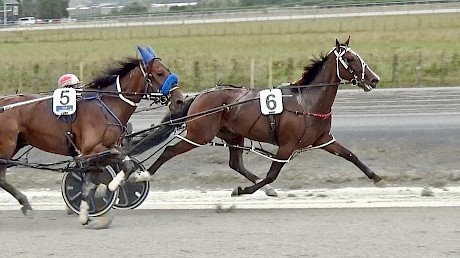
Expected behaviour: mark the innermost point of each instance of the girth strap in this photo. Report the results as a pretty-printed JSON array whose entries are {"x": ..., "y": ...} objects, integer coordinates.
[
  {"x": 72, "y": 148},
  {"x": 272, "y": 129}
]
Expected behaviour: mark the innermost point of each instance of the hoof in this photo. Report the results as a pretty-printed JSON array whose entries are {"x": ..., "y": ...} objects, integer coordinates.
[
  {"x": 269, "y": 191},
  {"x": 236, "y": 191},
  {"x": 101, "y": 191},
  {"x": 380, "y": 183},
  {"x": 100, "y": 223},
  {"x": 27, "y": 211},
  {"x": 83, "y": 218}
]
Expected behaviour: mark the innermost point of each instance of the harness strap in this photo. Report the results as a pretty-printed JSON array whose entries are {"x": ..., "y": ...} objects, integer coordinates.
[
  {"x": 188, "y": 141},
  {"x": 73, "y": 150},
  {"x": 315, "y": 115},
  {"x": 109, "y": 111},
  {"x": 120, "y": 94},
  {"x": 272, "y": 128}
]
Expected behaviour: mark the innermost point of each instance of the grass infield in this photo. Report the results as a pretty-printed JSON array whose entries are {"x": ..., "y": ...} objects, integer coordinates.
[{"x": 405, "y": 51}]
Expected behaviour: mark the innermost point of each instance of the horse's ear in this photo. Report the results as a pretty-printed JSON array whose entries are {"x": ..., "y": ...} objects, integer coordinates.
[
  {"x": 337, "y": 45},
  {"x": 150, "y": 50},
  {"x": 348, "y": 41}
]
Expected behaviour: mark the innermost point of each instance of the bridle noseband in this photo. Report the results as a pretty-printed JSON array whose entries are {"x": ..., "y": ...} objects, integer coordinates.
[{"x": 339, "y": 55}]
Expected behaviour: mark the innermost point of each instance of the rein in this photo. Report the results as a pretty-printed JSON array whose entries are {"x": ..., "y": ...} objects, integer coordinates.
[{"x": 180, "y": 120}]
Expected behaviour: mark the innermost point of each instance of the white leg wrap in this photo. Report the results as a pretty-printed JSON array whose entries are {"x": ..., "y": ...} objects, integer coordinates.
[
  {"x": 268, "y": 189},
  {"x": 83, "y": 216},
  {"x": 141, "y": 176},
  {"x": 101, "y": 191},
  {"x": 113, "y": 186}
]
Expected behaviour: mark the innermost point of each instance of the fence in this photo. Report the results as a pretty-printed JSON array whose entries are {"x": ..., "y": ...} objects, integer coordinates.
[{"x": 395, "y": 70}]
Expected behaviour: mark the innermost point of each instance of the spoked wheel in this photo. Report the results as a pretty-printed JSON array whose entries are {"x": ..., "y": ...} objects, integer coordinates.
[
  {"x": 71, "y": 188},
  {"x": 131, "y": 195}
]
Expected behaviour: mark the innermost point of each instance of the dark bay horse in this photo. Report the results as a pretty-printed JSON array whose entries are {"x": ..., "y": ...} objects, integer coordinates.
[
  {"x": 98, "y": 125},
  {"x": 303, "y": 122}
]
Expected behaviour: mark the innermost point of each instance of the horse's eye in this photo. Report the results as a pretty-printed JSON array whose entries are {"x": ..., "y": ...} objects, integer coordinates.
[{"x": 160, "y": 73}]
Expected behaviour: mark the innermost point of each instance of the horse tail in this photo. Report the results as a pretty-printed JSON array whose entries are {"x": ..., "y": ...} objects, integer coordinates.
[{"x": 149, "y": 139}]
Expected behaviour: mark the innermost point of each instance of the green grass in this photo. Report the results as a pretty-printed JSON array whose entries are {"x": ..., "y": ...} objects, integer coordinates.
[{"x": 206, "y": 53}]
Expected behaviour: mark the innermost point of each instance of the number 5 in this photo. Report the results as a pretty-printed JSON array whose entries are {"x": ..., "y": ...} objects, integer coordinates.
[{"x": 64, "y": 98}]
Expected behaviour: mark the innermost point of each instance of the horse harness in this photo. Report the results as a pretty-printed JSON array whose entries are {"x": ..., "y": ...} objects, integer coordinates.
[{"x": 108, "y": 113}]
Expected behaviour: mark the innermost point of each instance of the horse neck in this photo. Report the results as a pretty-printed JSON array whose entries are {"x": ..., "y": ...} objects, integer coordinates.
[
  {"x": 323, "y": 97},
  {"x": 132, "y": 82}
]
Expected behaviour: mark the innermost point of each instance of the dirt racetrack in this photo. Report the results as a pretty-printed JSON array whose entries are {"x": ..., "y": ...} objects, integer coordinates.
[{"x": 375, "y": 232}]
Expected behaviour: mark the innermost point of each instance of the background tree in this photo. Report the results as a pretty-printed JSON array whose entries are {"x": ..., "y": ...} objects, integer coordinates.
[
  {"x": 26, "y": 8},
  {"x": 135, "y": 7},
  {"x": 52, "y": 9},
  {"x": 44, "y": 9}
]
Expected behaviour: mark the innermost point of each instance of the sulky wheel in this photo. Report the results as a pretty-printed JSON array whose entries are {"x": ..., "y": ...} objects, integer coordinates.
[
  {"x": 71, "y": 188},
  {"x": 131, "y": 195}
]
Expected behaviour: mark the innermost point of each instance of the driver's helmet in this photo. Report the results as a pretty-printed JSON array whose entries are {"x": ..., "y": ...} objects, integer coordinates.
[{"x": 68, "y": 81}]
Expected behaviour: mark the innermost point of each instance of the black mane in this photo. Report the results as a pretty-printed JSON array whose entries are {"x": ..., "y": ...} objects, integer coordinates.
[
  {"x": 113, "y": 69},
  {"x": 311, "y": 70}
]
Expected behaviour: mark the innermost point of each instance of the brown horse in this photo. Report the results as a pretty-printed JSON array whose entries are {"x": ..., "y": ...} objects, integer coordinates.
[
  {"x": 98, "y": 124},
  {"x": 303, "y": 122}
]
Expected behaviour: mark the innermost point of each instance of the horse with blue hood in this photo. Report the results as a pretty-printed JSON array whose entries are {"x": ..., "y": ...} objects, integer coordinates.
[{"x": 94, "y": 134}]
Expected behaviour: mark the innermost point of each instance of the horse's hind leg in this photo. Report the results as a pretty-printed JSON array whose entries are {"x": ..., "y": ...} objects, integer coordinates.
[
  {"x": 237, "y": 164},
  {"x": 22, "y": 199},
  {"x": 169, "y": 153},
  {"x": 337, "y": 149},
  {"x": 283, "y": 154}
]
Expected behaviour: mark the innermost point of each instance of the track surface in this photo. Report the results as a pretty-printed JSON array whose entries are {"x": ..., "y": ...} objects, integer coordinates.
[{"x": 376, "y": 232}]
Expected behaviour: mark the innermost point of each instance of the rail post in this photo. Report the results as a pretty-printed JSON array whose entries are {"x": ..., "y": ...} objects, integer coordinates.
[
  {"x": 81, "y": 67},
  {"x": 442, "y": 69},
  {"x": 394, "y": 76},
  {"x": 418, "y": 70},
  {"x": 270, "y": 73},
  {"x": 253, "y": 67}
]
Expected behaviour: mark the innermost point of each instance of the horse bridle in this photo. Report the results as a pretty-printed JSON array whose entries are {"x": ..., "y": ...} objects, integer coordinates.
[
  {"x": 150, "y": 77},
  {"x": 338, "y": 58}
]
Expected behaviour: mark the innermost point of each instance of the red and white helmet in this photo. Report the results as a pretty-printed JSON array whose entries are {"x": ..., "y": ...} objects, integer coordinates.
[{"x": 68, "y": 80}]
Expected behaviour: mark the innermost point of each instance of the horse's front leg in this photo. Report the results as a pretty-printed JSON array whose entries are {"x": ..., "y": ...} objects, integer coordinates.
[
  {"x": 86, "y": 189},
  {"x": 126, "y": 168},
  {"x": 90, "y": 180},
  {"x": 337, "y": 149},
  {"x": 18, "y": 195}
]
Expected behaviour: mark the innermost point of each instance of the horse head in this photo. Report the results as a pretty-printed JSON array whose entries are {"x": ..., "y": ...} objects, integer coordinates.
[
  {"x": 352, "y": 68},
  {"x": 159, "y": 79}
]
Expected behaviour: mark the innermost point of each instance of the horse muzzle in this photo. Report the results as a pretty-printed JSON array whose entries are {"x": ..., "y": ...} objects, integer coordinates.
[{"x": 368, "y": 85}]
